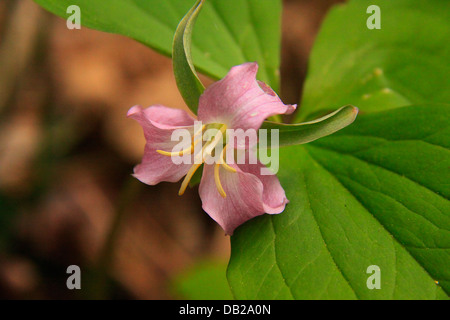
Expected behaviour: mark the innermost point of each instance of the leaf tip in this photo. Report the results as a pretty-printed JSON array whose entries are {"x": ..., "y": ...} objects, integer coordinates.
[{"x": 354, "y": 112}]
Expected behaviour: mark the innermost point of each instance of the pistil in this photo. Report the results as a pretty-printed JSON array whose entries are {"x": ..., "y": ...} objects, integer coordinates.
[{"x": 206, "y": 150}]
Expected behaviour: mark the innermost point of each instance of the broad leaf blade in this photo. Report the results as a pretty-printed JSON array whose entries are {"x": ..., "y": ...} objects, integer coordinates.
[
  {"x": 375, "y": 193},
  {"x": 227, "y": 33},
  {"x": 292, "y": 134},
  {"x": 403, "y": 63},
  {"x": 186, "y": 77},
  {"x": 206, "y": 280}
]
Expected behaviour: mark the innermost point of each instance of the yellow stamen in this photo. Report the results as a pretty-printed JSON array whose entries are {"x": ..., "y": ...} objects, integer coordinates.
[
  {"x": 188, "y": 150},
  {"x": 217, "y": 180},
  {"x": 217, "y": 138},
  {"x": 198, "y": 131},
  {"x": 224, "y": 163},
  {"x": 209, "y": 146},
  {"x": 228, "y": 168},
  {"x": 188, "y": 178},
  {"x": 178, "y": 153},
  {"x": 199, "y": 158}
]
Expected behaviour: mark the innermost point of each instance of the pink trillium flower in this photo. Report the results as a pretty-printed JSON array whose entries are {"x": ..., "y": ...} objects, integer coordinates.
[{"x": 231, "y": 193}]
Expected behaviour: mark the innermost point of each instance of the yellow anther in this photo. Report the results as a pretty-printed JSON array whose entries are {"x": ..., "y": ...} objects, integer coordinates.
[
  {"x": 178, "y": 153},
  {"x": 188, "y": 178},
  {"x": 217, "y": 180}
]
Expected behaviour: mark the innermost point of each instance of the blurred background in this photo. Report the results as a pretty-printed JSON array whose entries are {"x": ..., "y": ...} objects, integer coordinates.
[{"x": 67, "y": 151}]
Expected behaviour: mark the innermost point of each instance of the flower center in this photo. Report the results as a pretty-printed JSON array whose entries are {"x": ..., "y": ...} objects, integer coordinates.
[{"x": 215, "y": 137}]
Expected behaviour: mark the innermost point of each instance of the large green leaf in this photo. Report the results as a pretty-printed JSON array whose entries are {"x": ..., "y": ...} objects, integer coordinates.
[
  {"x": 299, "y": 133},
  {"x": 405, "y": 62},
  {"x": 189, "y": 85},
  {"x": 375, "y": 193},
  {"x": 206, "y": 280},
  {"x": 227, "y": 33}
]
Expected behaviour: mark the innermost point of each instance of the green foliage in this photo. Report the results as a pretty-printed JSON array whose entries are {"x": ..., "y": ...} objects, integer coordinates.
[
  {"x": 188, "y": 83},
  {"x": 375, "y": 193},
  {"x": 204, "y": 281},
  {"x": 405, "y": 62},
  {"x": 227, "y": 32},
  {"x": 299, "y": 133}
]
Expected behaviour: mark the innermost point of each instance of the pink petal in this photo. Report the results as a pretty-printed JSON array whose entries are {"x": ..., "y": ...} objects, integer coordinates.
[
  {"x": 240, "y": 101},
  {"x": 158, "y": 123},
  {"x": 248, "y": 195},
  {"x": 274, "y": 198}
]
